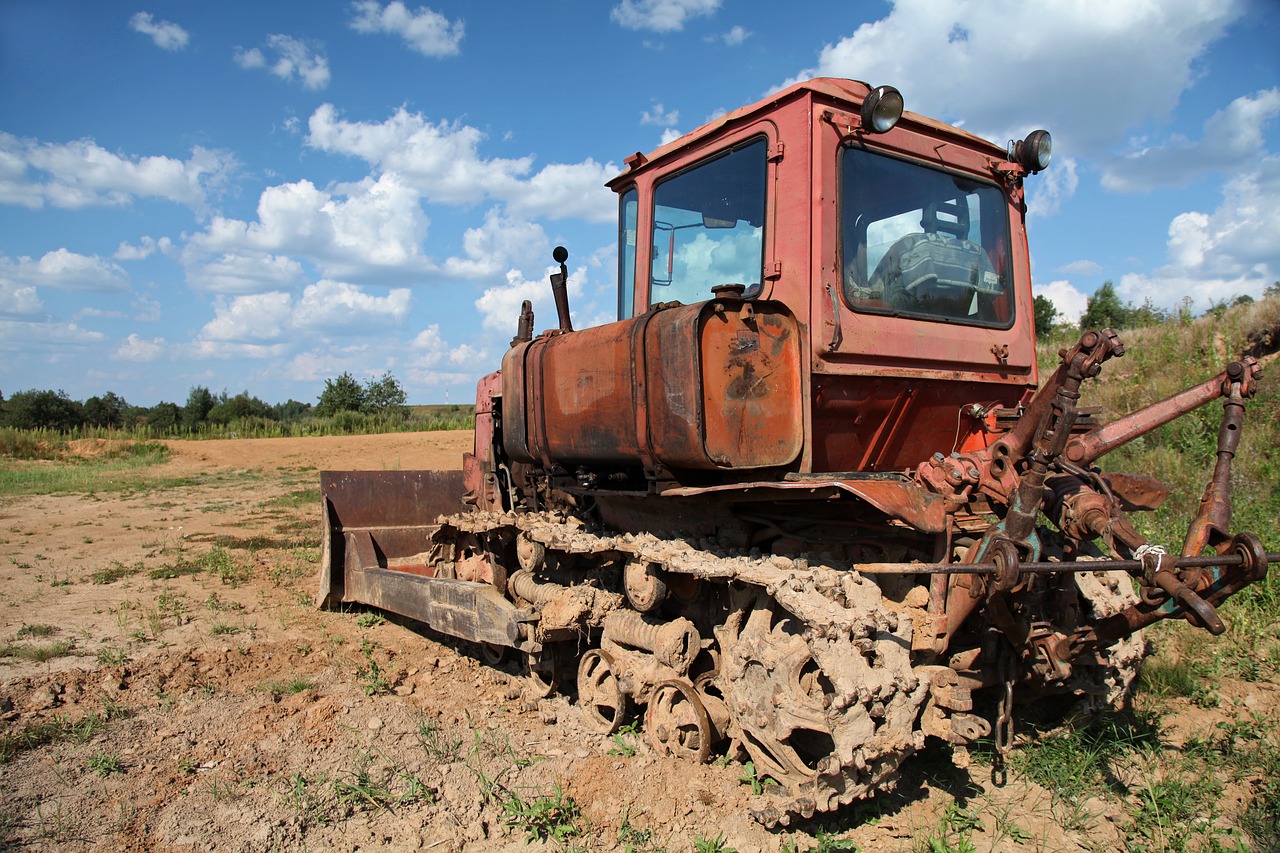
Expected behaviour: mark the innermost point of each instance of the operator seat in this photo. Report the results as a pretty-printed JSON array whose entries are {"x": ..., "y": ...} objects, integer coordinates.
[{"x": 939, "y": 271}]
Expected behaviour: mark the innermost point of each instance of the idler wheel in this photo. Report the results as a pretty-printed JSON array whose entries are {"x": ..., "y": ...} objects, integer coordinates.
[
  {"x": 677, "y": 723},
  {"x": 600, "y": 693},
  {"x": 643, "y": 583}
]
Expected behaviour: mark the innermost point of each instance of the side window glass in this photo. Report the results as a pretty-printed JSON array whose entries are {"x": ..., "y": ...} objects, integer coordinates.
[
  {"x": 708, "y": 227},
  {"x": 627, "y": 253}
]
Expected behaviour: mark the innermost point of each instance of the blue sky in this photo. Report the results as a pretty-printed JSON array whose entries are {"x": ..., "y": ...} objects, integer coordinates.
[{"x": 261, "y": 196}]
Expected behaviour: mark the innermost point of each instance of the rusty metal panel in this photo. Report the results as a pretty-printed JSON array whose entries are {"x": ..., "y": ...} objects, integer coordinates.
[
  {"x": 472, "y": 611},
  {"x": 586, "y": 402},
  {"x": 516, "y": 405},
  {"x": 380, "y": 499},
  {"x": 750, "y": 358}
]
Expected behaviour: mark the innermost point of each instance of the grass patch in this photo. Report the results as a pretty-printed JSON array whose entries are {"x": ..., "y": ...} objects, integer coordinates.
[
  {"x": 114, "y": 572},
  {"x": 99, "y": 474},
  {"x": 38, "y": 733},
  {"x": 36, "y": 631},
  {"x": 551, "y": 817},
  {"x": 45, "y": 652},
  {"x": 289, "y": 686}
]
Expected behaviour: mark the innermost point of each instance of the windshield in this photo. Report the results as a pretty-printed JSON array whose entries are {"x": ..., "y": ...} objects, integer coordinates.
[
  {"x": 708, "y": 227},
  {"x": 921, "y": 242}
]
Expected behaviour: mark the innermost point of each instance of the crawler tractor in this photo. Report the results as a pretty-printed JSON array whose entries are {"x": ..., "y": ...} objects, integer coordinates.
[{"x": 806, "y": 502}]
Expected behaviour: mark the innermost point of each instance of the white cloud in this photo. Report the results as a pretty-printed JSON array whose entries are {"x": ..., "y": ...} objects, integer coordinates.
[
  {"x": 1232, "y": 139},
  {"x": 146, "y": 247},
  {"x": 166, "y": 34},
  {"x": 254, "y": 319},
  {"x": 244, "y": 272},
  {"x": 426, "y": 31},
  {"x": 292, "y": 58},
  {"x": 660, "y": 16},
  {"x": 18, "y": 299},
  {"x": 372, "y": 228},
  {"x": 82, "y": 174},
  {"x": 1051, "y": 188},
  {"x": 736, "y": 36},
  {"x": 135, "y": 348},
  {"x": 1069, "y": 300},
  {"x": 496, "y": 245},
  {"x": 660, "y": 116},
  {"x": 499, "y": 306},
  {"x": 63, "y": 270},
  {"x": 669, "y": 135},
  {"x": 19, "y": 336},
  {"x": 442, "y": 161},
  {"x": 1082, "y": 267},
  {"x": 1069, "y": 67},
  {"x": 1233, "y": 251},
  {"x": 339, "y": 308}
]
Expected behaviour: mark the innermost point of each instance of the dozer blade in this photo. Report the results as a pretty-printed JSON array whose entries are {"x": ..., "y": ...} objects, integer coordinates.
[
  {"x": 376, "y": 550},
  {"x": 379, "y": 520}
]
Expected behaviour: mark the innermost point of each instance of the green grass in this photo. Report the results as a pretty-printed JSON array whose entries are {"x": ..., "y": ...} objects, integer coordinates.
[
  {"x": 289, "y": 686},
  {"x": 37, "y": 733},
  {"x": 100, "y": 474},
  {"x": 550, "y": 817}
]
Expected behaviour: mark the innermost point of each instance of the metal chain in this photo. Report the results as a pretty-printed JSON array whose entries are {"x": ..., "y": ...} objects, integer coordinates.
[{"x": 1004, "y": 717}]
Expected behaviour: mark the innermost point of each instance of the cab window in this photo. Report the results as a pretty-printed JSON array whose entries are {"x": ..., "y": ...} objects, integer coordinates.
[
  {"x": 708, "y": 226},
  {"x": 924, "y": 243}
]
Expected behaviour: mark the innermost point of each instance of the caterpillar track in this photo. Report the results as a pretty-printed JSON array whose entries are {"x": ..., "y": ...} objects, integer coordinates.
[{"x": 807, "y": 670}]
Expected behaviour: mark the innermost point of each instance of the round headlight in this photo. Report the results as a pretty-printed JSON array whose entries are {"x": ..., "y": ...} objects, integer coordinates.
[
  {"x": 1035, "y": 151},
  {"x": 881, "y": 109}
]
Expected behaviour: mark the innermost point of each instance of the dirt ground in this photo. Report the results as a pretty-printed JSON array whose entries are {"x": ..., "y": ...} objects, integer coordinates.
[{"x": 200, "y": 702}]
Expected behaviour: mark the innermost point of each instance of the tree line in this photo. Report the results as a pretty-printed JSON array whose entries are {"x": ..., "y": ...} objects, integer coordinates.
[
  {"x": 46, "y": 409},
  {"x": 1105, "y": 310}
]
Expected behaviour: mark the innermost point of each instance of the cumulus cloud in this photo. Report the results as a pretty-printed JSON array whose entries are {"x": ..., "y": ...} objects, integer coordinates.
[
  {"x": 1235, "y": 250},
  {"x": 736, "y": 36},
  {"x": 661, "y": 16},
  {"x": 268, "y": 325},
  {"x": 425, "y": 30},
  {"x": 1046, "y": 62},
  {"x": 1051, "y": 188},
  {"x": 495, "y": 246},
  {"x": 290, "y": 58},
  {"x": 18, "y": 299},
  {"x": 1232, "y": 139},
  {"x": 371, "y": 228},
  {"x": 134, "y": 348},
  {"x": 1066, "y": 297},
  {"x": 660, "y": 116},
  {"x": 146, "y": 247},
  {"x": 244, "y": 272},
  {"x": 166, "y": 34},
  {"x": 83, "y": 174},
  {"x": 443, "y": 162},
  {"x": 62, "y": 269},
  {"x": 340, "y": 308},
  {"x": 499, "y": 306}
]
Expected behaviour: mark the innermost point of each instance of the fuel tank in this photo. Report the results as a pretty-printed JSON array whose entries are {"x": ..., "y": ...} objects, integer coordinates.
[{"x": 716, "y": 385}]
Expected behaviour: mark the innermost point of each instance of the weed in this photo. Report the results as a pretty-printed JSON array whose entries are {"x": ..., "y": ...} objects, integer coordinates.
[
  {"x": 552, "y": 817},
  {"x": 359, "y": 789},
  {"x": 222, "y": 628},
  {"x": 633, "y": 839},
  {"x": 439, "y": 745},
  {"x": 215, "y": 603},
  {"x": 219, "y": 563},
  {"x": 952, "y": 834},
  {"x": 290, "y": 686},
  {"x": 40, "y": 654},
  {"x": 369, "y": 619},
  {"x": 113, "y": 572},
  {"x": 702, "y": 844},
  {"x": 373, "y": 676},
  {"x": 827, "y": 843},
  {"x": 35, "y": 631},
  {"x": 750, "y": 777},
  {"x": 103, "y": 764},
  {"x": 624, "y": 740},
  {"x": 301, "y": 795}
]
